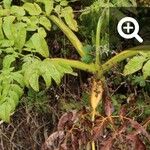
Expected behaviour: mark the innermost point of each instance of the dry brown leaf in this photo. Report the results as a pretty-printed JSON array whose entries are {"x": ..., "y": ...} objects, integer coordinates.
[
  {"x": 53, "y": 141},
  {"x": 67, "y": 120},
  {"x": 139, "y": 129},
  {"x": 108, "y": 106}
]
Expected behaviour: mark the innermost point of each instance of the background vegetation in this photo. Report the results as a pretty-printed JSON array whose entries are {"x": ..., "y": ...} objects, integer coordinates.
[{"x": 46, "y": 72}]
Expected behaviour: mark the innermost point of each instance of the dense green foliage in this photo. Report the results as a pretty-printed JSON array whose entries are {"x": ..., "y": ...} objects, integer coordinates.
[{"x": 24, "y": 51}]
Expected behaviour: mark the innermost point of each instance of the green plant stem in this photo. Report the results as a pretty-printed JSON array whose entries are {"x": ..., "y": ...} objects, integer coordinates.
[
  {"x": 98, "y": 61},
  {"x": 77, "y": 64},
  {"x": 122, "y": 56},
  {"x": 98, "y": 36},
  {"x": 92, "y": 68},
  {"x": 98, "y": 41},
  {"x": 68, "y": 32}
]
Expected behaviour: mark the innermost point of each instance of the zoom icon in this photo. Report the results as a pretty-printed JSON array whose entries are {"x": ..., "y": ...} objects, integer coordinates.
[{"x": 128, "y": 28}]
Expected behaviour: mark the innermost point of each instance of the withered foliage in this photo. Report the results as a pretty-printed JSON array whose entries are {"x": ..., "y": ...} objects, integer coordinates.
[{"x": 76, "y": 131}]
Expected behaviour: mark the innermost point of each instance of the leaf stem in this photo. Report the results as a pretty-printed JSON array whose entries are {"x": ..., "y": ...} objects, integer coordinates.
[
  {"x": 98, "y": 37},
  {"x": 70, "y": 35},
  {"x": 124, "y": 55},
  {"x": 91, "y": 68}
]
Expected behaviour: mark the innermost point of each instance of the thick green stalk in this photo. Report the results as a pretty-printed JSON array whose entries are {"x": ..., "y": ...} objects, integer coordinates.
[
  {"x": 91, "y": 68},
  {"x": 98, "y": 41},
  {"x": 71, "y": 36},
  {"x": 98, "y": 36},
  {"x": 122, "y": 56},
  {"x": 98, "y": 61}
]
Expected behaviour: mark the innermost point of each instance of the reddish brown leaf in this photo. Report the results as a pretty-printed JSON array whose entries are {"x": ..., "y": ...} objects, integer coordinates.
[
  {"x": 98, "y": 130},
  {"x": 139, "y": 144},
  {"x": 139, "y": 128},
  {"x": 108, "y": 107},
  {"x": 146, "y": 122},
  {"x": 106, "y": 145},
  {"x": 136, "y": 142},
  {"x": 67, "y": 120},
  {"x": 85, "y": 137},
  {"x": 53, "y": 141},
  {"x": 74, "y": 142}
]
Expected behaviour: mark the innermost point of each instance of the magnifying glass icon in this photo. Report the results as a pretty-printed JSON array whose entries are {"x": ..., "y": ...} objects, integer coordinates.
[{"x": 128, "y": 27}]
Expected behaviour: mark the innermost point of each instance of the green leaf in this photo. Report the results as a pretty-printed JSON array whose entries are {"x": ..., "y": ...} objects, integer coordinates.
[
  {"x": 8, "y": 59},
  {"x": 4, "y": 12},
  {"x": 7, "y": 3},
  {"x": 64, "y": 3},
  {"x": 13, "y": 99},
  {"x": 9, "y": 50},
  {"x": 20, "y": 39},
  {"x": 64, "y": 69},
  {"x": 32, "y": 23},
  {"x": 87, "y": 59},
  {"x": 9, "y": 94},
  {"x": 139, "y": 80},
  {"x": 68, "y": 15},
  {"x": 45, "y": 22},
  {"x": 18, "y": 77},
  {"x": 146, "y": 54},
  {"x": 134, "y": 3},
  {"x": 17, "y": 89},
  {"x": 29, "y": 46},
  {"x": 40, "y": 45},
  {"x": 17, "y": 10},
  {"x": 1, "y": 31},
  {"x": 34, "y": 19},
  {"x": 42, "y": 32},
  {"x": 134, "y": 65},
  {"x": 52, "y": 71},
  {"x": 48, "y": 6},
  {"x": 29, "y": 69},
  {"x": 5, "y": 111},
  {"x": 57, "y": 9},
  {"x": 6, "y": 43},
  {"x": 34, "y": 81},
  {"x": 8, "y": 26},
  {"x": 47, "y": 79},
  {"x": 6, "y": 87},
  {"x": 48, "y": 69},
  {"x": 88, "y": 48},
  {"x": 146, "y": 69},
  {"x": 32, "y": 8}
]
